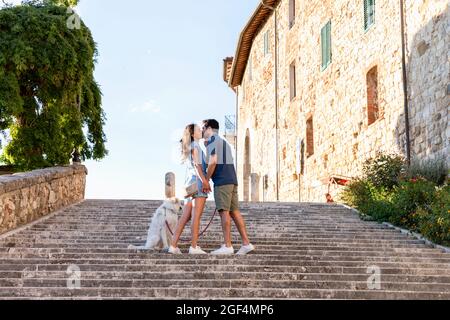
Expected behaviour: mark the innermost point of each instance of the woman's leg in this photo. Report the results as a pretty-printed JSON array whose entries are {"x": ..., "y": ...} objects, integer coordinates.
[
  {"x": 199, "y": 206},
  {"x": 187, "y": 214}
]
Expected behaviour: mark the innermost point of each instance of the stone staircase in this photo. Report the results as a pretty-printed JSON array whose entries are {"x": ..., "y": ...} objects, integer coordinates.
[{"x": 304, "y": 251}]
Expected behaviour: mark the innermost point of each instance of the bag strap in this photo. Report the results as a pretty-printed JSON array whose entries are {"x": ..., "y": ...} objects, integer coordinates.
[{"x": 193, "y": 164}]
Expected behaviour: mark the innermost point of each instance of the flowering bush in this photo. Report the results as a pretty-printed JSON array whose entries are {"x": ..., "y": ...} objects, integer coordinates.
[
  {"x": 435, "y": 220},
  {"x": 407, "y": 197}
]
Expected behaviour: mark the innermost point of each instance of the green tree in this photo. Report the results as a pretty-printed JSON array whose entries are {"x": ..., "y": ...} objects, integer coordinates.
[{"x": 49, "y": 99}]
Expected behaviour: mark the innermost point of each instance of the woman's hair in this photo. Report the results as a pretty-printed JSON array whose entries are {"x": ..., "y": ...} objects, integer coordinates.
[{"x": 186, "y": 141}]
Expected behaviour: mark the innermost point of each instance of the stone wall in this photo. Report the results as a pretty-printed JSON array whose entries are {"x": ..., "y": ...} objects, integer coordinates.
[
  {"x": 336, "y": 97},
  {"x": 25, "y": 197},
  {"x": 428, "y": 67}
]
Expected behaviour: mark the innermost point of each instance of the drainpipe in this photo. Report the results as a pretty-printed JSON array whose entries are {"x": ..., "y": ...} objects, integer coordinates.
[
  {"x": 236, "y": 133},
  {"x": 405, "y": 83},
  {"x": 276, "y": 98}
]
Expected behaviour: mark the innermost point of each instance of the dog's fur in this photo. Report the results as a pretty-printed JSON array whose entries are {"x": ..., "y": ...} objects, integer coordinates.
[{"x": 159, "y": 236}]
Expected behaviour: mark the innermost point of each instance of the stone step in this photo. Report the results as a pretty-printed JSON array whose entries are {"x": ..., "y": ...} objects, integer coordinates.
[
  {"x": 115, "y": 275},
  {"x": 221, "y": 294},
  {"x": 267, "y": 247},
  {"x": 48, "y": 252},
  {"x": 303, "y": 251},
  {"x": 444, "y": 270},
  {"x": 209, "y": 237},
  {"x": 254, "y": 258},
  {"x": 220, "y": 262},
  {"x": 199, "y": 283}
]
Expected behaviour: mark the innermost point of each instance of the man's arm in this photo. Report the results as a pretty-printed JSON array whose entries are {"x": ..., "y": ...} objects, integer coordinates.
[{"x": 211, "y": 167}]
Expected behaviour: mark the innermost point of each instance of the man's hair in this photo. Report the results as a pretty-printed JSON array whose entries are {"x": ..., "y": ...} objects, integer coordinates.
[{"x": 214, "y": 124}]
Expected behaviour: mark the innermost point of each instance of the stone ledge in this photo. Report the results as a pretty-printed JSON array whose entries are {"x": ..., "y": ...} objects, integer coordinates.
[
  {"x": 26, "y": 197},
  {"x": 21, "y": 180}
]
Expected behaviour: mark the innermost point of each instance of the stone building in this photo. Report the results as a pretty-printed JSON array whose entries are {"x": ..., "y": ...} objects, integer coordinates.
[{"x": 321, "y": 87}]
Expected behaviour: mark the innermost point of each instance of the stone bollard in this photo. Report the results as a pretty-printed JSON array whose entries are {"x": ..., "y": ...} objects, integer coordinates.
[
  {"x": 170, "y": 185},
  {"x": 254, "y": 181}
]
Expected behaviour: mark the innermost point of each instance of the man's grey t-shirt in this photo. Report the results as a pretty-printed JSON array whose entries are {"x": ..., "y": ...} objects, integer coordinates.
[{"x": 225, "y": 172}]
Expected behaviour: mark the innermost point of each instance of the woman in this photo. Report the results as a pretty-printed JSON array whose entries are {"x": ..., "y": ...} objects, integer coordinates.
[{"x": 192, "y": 155}]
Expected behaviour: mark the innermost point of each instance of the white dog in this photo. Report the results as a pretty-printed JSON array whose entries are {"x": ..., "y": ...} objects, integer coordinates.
[{"x": 159, "y": 236}]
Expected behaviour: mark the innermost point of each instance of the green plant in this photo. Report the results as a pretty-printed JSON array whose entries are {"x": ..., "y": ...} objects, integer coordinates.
[
  {"x": 434, "y": 222},
  {"x": 432, "y": 170},
  {"x": 356, "y": 193},
  {"x": 384, "y": 170},
  {"x": 48, "y": 93},
  {"x": 408, "y": 197},
  {"x": 368, "y": 199}
]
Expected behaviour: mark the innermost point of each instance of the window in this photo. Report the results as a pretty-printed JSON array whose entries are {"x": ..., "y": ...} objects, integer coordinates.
[
  {"x": 291, "y": 13},
  {"x": 369, "y": 13},
  {"x": 266, "y": 43},
  {"x": 309, "y": 137},
  {"x": 292, "y": 81},
  {"x": 326, "y": 45},
  {"x": 373, "y": 113}
]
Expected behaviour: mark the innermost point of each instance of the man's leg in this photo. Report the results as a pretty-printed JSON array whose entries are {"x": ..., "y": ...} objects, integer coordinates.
[
  {"x": 226, "y": 227},
  {"x": 247, "y": 247},
  {"x": 240, "y": 224}
]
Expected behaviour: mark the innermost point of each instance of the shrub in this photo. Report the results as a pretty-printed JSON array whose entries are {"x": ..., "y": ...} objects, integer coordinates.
[
  {"x": 384, "y": 170},
  {"x": 368, "y": 199},
  {"x": 433, "y": 170},
  {"x": 356, "y": 193},
  {"x": 434, "y": 223},
  {"x": 408, "y": 198}
]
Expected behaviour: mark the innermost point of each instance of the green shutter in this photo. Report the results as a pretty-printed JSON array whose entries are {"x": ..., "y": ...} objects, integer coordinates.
[
  {"x": 323, "y": 44},
  {"x": 329, "y": 43},
  {"x": 369, "y": 13},
  {"x": 326, "y": 45},
  {"x": 366, "y": 15}
]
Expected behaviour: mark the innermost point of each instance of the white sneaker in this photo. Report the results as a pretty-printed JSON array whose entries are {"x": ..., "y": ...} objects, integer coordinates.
[
  {"x": 224, "y": 250},
  {"x": 246, "y": 249},
  {"x": 197, "y": 250},
  {"x": 174, "y": 250}
]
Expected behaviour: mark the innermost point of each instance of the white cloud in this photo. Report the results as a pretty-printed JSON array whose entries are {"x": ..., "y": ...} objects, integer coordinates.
[{"x": 149, "y": 106}]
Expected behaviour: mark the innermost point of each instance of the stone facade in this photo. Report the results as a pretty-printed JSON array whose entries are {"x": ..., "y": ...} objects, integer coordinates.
[
  {"x": 28, "y": 196},
  {"x": 336, "y": 98}
]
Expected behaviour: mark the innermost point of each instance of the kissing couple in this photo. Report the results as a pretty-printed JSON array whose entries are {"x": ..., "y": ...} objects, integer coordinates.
[{"x": 215, "y": 164}]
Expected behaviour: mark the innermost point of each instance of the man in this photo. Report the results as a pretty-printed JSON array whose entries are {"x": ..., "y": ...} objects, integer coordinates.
[{"x": 223, "y": 173}]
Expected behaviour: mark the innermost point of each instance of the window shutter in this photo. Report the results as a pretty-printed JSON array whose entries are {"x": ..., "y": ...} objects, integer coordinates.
[
  {"x": 366, "y": 15},
  {"x": 326, "y": 45},
  {"x": 292, "y": 81},
  {"x": 323, "y": 44},
  {"x": 369, "y": 13},
  {"x": 328, "y": 42},
  {"x": 291, "y": 13}
]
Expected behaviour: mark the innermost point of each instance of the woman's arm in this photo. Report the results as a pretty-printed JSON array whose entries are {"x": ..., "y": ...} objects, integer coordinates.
[{"x": 198, "y": 165}]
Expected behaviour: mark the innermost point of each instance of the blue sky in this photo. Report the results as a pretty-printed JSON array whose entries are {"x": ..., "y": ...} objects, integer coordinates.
[{"x": 160, "y": 68}]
